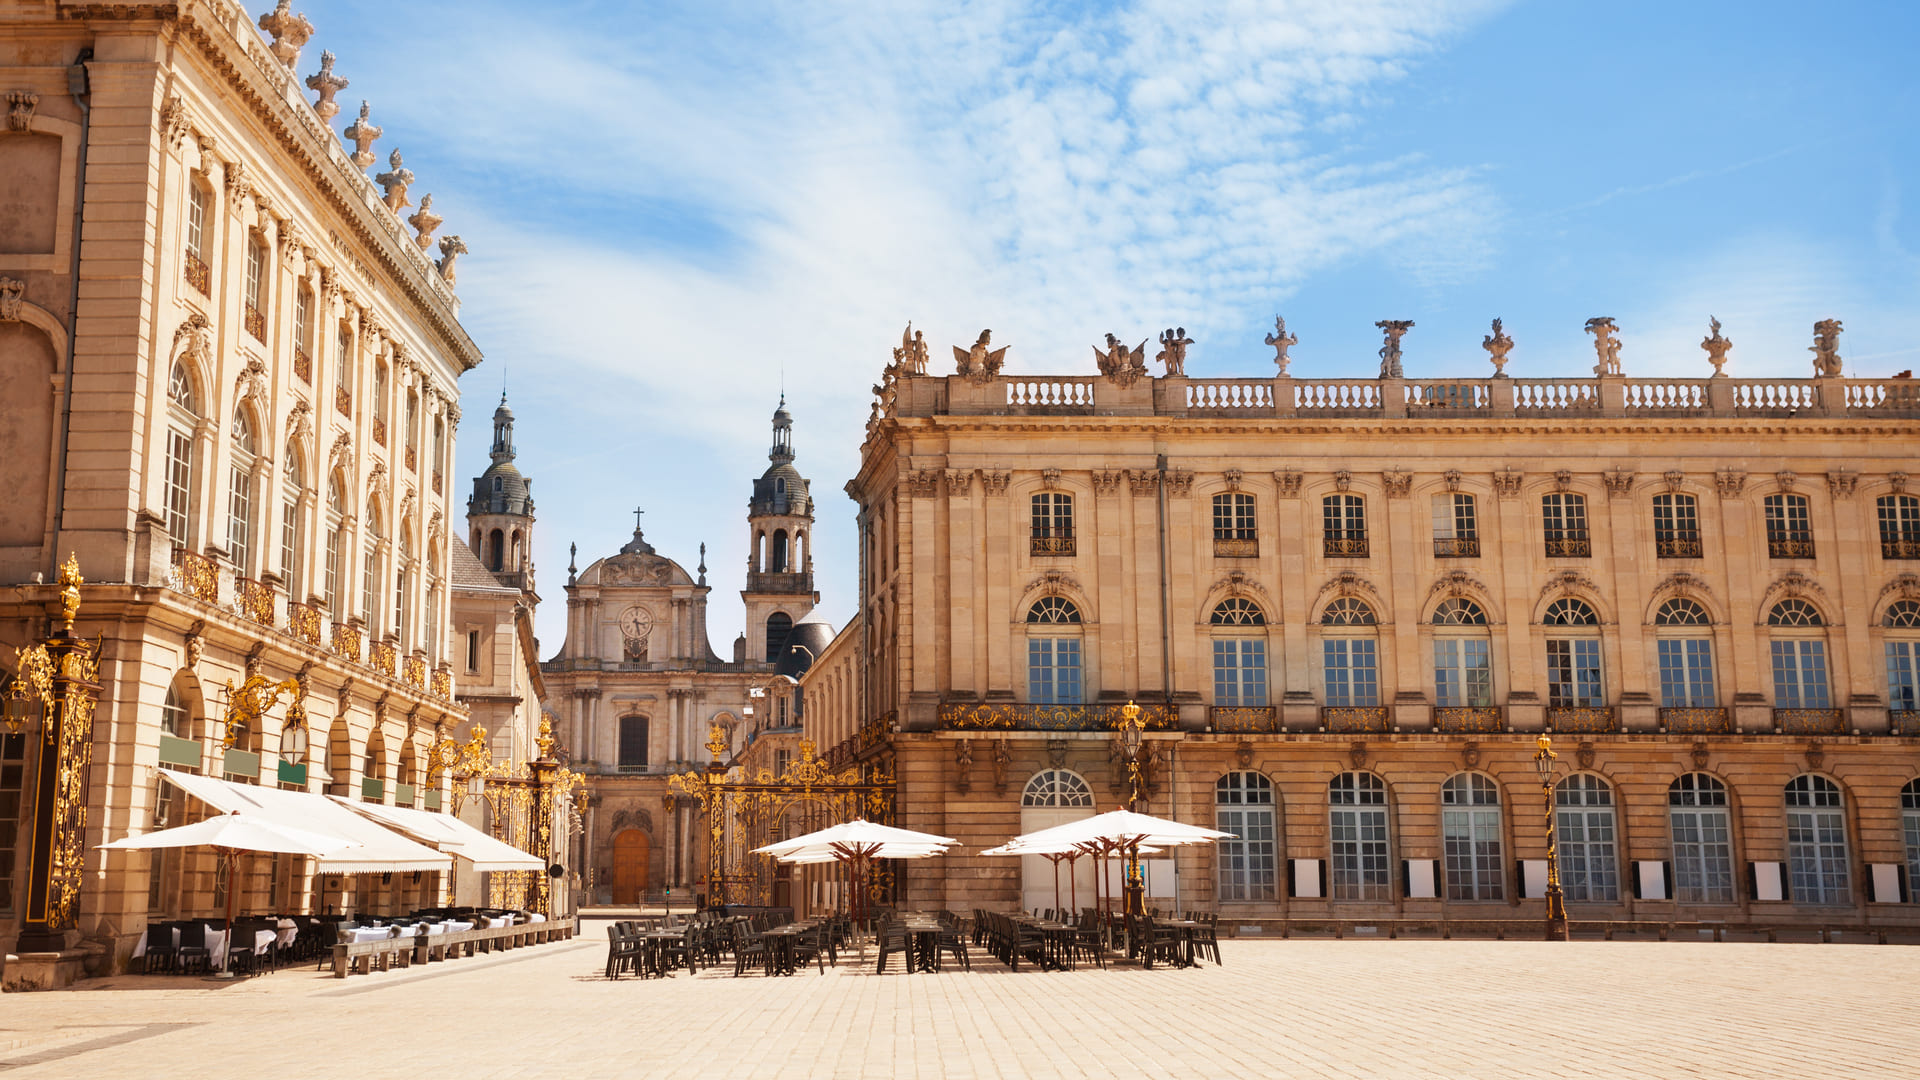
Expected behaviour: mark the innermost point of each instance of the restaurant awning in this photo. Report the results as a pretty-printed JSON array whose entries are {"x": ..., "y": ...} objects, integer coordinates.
[
  {"x": 380, "y": 849},
  {"x": 449, "y": 834}
]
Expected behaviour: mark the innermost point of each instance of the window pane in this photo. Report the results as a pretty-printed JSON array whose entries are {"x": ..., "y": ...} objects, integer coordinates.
[
  {"x": 1900, "y": 680},
  {"x": 1702, "y": 856}
]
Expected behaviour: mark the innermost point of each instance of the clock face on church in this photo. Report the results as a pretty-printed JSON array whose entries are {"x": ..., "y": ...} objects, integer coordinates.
[{"x": 635, "y": 622}]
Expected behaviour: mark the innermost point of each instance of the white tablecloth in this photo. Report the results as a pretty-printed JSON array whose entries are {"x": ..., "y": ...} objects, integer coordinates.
[
  {"x": 454, "y": 926},
  {"x": 288, "y": 931},
  {"x": 537, "y": 917},
  {"x": 372, "y": 933}
]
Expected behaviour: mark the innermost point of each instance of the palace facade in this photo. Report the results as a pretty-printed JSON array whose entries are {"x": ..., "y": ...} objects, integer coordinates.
[{"x": 1349, "y": 607}]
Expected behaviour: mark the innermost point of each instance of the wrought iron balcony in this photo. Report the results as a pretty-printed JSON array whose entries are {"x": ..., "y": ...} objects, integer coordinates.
[
  {"x": 1810, "y": 721},
  {"x": 302, "y": 364},
  {"x": 198, "y": 275},
  {"x": 1053, "y": 545},
  {"x": 1790, "y": 548},
  {"x": 256, "y": 323},
  {"x": 1570, "y": 548},
  {"x": 1008, "y": 716},
  {"x": 1345, "y": 547},
  {"x": 254, "y": 599},
  {"x": 1677, "y": 547},
  {"x": 346, "y": 641},
  {"x": 303, "y": 621},
  {"x": 1470, "y": 719},
  {"x": 1907, "y": 547},
  {"x": 1356, "y": 719},
  {"x": 1581, "y": 720},
  {"x": 1244, "y": 719},
  {"x": 1696, "y": 721},
  {"x": 1458, "y": 547},
  {"x": 1903, "y": 722},
  {"x": 196, "y": 575},
  {"x": 1234, "y": 548}
]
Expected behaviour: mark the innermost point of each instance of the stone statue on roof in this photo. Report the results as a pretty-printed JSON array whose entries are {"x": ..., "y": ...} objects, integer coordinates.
[
  {"x": 1281, "y": 342},
  {"x": 1120, "y": 364},
  {"x": 1395, "y": 329},
  {"x": 1826, "y": 347},
  {"x": 978, "y": 364}
]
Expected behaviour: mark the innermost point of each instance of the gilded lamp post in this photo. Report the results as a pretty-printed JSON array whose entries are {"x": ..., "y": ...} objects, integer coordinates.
[
  {"x": 1543, "y": 760},
  {"x": 1132, "y": 729},
  {"x": 705, "y": 786},
  {"x": 57, "y": 685}
]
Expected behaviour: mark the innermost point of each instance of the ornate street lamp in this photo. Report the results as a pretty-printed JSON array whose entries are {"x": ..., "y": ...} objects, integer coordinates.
[
  {"x": 1543, "y": 760},
  {"x": 1132, "y": 730}
]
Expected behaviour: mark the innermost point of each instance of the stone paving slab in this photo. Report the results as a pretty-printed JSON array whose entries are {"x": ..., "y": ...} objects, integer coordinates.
[{"x": 1394, "y": 1009}]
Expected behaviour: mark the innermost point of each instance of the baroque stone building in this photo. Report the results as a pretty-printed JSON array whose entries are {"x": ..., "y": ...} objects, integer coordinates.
[
  {"x": 228, "y": 366},
  {"x": 1348, "y": 608},
  {"x": 639, "y": 687}
]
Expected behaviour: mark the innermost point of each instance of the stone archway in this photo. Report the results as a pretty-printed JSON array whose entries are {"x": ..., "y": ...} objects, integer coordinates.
[{"x": 631, "y": 848}]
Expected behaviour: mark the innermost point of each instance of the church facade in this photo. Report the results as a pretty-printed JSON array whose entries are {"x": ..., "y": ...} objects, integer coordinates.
[
  {"x": 1349, "y": 607},
  {"x": 638, "y": 687}
]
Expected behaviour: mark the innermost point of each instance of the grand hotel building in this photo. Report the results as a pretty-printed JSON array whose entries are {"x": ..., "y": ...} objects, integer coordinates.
[{"x": 1349, "y": 607}]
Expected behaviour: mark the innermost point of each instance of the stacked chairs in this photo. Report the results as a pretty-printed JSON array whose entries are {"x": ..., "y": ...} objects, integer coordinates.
[
  {"x": 1010, "y": 940},
  {"x": 1206, "y": 939},
  {"x": 623, "y": 950}
]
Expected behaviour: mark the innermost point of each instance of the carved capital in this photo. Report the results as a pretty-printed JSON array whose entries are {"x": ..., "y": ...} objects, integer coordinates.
[
  {"x": 994, "y": 481},
  {"x": 1288, "y": 482},
  {"x": 923, "y": 483},
  {"x": 1143, "y": 483},
  {"x": 1506, "y": 482},
  {"x": 959, "y": 482},
  {"x": 1619, "y": 483},
  {"x": 1108, "y": 481},
  {"x": 20, "y": 105},
  {"x": 1179, "y": 482},
  {"x": 1730, "y": 482},
  {"x": 1398, "y": 482}
]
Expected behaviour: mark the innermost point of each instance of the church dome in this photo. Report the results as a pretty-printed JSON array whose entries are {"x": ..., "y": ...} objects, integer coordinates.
[
  {"x": 501, "y": 490},
  {"x": 781, "y": 490}
]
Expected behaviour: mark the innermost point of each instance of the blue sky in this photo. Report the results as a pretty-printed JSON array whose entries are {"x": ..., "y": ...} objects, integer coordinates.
[{"x": 674, "y": 210}]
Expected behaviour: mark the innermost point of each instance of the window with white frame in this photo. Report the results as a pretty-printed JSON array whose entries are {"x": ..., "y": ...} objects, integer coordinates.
[
  {"x": 1817, "y": 841},
  {"x": 196, "y": 220},
  {"x": 1057, "y": 789},
  {"x": 1243, "y": 806},
  {"x": 1348, "y": 655},
  {"x": 1563, "y": 517},
  {"x": 1899, "y": 526},
  {"x": 1344, "y": 526},
  {"x": 173, "y": 715},
  {"x": 1702, "y": 840},
  {"x": 1589, "y": 861},
  {"x": 1462, "y": 667},
  {"x": 183, "y": 415},
  {"x": 255, "y": 315},
  {"x": 240, "y": 492},
  {"x": 1685, "y": 652},
  {"x": 292, "y": 525},
  {"x": 1052, "y": 523},
  {"x": 1239, "y": 653},
  {"x": 1910, "y": 829},
  {"x": 1470, "y": 835},
  {"x": 1053, "y": 654},
  {"x": 1902, "y": 622},
  {"x": 403, "y": 583},
  {"x": 1789, "y": 526},
  {"x": 370, "y": 572},
  {"x": 1357, "y": 830},
  {"x": 1676, "y": 526},
  {"x": 1573, "y": 656},
  {"x": 336, "y": 517},
  {"x": 1799, "y": 656},
  {"x": 1456, "y": 529}
]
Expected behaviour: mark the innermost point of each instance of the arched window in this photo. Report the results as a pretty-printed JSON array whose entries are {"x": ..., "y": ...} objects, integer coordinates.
[
  {"x": 292, "y": 528},
  {"x": 1243, "y": 806},
  {"x": 1702, "y": 840},
  {"x": 1589, "y": 862},
  {"x": 183, "y": 415},
  {"x": 1357, "y": 827},
  {"x": 240, "y": 492},
  {"x": 1235, "y": 534},
  {"x": 1789, "y": 527},
  {"x": 1563, "y": 517},
  {"x": 1799, "y": 652},
  {"x": 1456, "y": 528},
  {"x": 374, "y": 769},
  {"x": 779, "y": 628},
  {"x": 1347, "y": 611},
  {"x": 1239, "y": 657},
  {"x": 1899, "y": 526},
  {"x": 1053, "y": 661},
  {"x": 1903, "y": 660},
  {"x": 1052, "y": 523},
  {"x": 1685, "y": 655},
  {"x": 633, "y": 744},
  {"x": 1676, "y": 526},
  {"x": 1053, "y": 609},
  {"x": 1910, "y": 827},
  {"x": 1573, "y": 656},
  {"x": 497, "y": 550},
  {"x": 1817, "y": 864},
  {"x": 1462, "y": 666},
  {"x": 336, "y": 518},
  {"x": 1057, "y": 789},
  {"x": 1238, "y": 611},
  {"x": 1470, "y": 833},
  {"x": 173, "y": 715},
  {"x": 777, "y": 553},
  {"x": 1344, "y": 525}
]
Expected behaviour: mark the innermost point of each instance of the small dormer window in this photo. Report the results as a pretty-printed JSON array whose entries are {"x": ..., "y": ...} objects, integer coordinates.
[
  {"x": 779, "y": 485},
  {"x": 496, "y": 485}
]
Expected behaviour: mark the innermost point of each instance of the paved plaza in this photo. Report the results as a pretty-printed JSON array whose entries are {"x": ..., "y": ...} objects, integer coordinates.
[{"x": 1424, "y": 1009}]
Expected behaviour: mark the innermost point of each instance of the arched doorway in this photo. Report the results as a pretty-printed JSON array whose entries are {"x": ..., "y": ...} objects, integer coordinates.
[
  {"x": 1054, "y": 797},
  {"x": 629, "y": 866}
]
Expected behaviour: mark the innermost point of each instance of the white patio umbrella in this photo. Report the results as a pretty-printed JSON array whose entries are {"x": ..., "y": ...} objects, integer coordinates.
[
  {"x": 855, "y": 843},
  {"x": 1053, "y": 852},
  {"x": 1113, "y": 833},
  {"x": 231, "y": 834}
]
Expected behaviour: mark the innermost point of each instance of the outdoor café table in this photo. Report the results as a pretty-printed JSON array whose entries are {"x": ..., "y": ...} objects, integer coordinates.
[
  {"x": 781, "y": 941},
  {"x": 923, "y": 943},
  {"x": 286, "y": 932},
  {"x": 653, "y": 950},
  {"x": 1183, "y": 931}
]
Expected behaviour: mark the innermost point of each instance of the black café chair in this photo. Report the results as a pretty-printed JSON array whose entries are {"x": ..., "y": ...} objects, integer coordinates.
[
  {"x": 892, "y": 938},
  {"x": 192, "y": 951},
  {"x": 952, "y": 939},
  {"x": 623, "y": 951},
  {"x": 161, "y": 953},
  {"x": 683, "y": 951},
  {"x": 750, "y": 946}
]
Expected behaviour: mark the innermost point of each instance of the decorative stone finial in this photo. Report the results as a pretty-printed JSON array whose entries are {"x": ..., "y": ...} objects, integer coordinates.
[
  {"x": 1826, "y": 347},
  {"x": 1120, "y": 364},
  {"x": 451, "y": 248},
  {"x": 362, "y": 134},
  {"x": 1394, "y": 329},
  {"x": 70, "y": 582},
  {"x": 1606, "y": 344},
  {"x": 289, "y": 31},
  {"x": 325, "y": 83},
  {"x": 1173, "y": 350},
  {"x": 1716, "y": 347},
  {"x": 1281, "y": 342},
  {"x": 424, "y": 220},
  {"x": 396, "y": 182},
  {"x": 977, "y": 364},
  {"x": 1498, "y": 345},
  {"x": 703, "y": 562}
]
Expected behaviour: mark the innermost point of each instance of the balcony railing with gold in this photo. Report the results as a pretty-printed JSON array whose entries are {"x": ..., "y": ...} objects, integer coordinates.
[
  {"x": 1458, "y": 547},
  {"x": 1053, "y": 545},
  {"x": 302, "y": 364},
  {"x": 1790, "y": 548},
  {"x": 380, "y": 430},
  {"x": 413, "y": 460},
  {"x": 1234, "y": 548},
  {"x": 1008, "y": 716},
  {"x": 1470, "y": 719},
  {"x": 1244, "y": 719},
  {"x": 1810, "y": 721},
  {"x": 1903, "y": 722},
  {"x": 256, "y": 323},
  {"x": 384, "y": 657},
  {"x": 254, "y": 599},
  {"x": 198, "y": 275},
  {"x": 195, "y": 575},
  {"x": 1696, "y": 721},
  {"x": 303, "y": 622},
  {"x": 346, "y": 641},
  {"x": 1356, "y": 719},
  {"x": 443, "y": 684},
  {"x": 1676, "y": 547},
  {"x": 1904, "y": 548},
  {"x": 436, "y": 482},
  {"x": 1570, "y": 548},
  {"x": 1345, "y": 547},
  {"x": 342, "y": 401},
  {"x": 1581, "y": 720},
  {"x": 414, "y": 671},
  {"x": 875, "y": 732}
]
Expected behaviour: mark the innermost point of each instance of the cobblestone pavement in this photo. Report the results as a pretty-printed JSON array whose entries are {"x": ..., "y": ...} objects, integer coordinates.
[{"x": 1412, "y": 1009}]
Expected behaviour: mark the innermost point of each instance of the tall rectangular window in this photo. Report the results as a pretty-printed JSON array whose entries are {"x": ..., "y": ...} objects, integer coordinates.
[
  {"x": 1573, "y": 673},
  {"x": 369, "y": 589},
  {"x": 1456, "y": 528},
  {"x": 1243, "y": 806},
  {"x": 1799, "y": 674},
  {"x": 179, "y": 480},
  {"x": 1052, "y": 523},
  {"x": 633, "y": 743},
  {"x": 1053, "y": 671},
  {"x": 157, "y": 858},
  {"x": 196, "y": 221},
  {"x": 1235, "y": 534},
  {"x": 1702, "y": 855},
  {"x": 13, "y": 778},
  {"x": 255, "y": 315},
  {"x": 1676, "y": 526},
  {"x": 1589, "y": 860},
  {"x": 333, "y": 571},
  {"x": 1564, "y": 521},
  {"x": 1462, "y": 675},
  {"x": 240, "y": 516},
  {"x": 1357, "y": 825},
  {"x": 1899, "y": 526},
  {"x": 473, "y": 650},
  {"x": 1351, "y": 672},
  {"x": 1789, "y": 527},
  {"x": 1686, "y": 673},
  {"x": 290, "y": 546},
  {"x": 1239, "y": 672},
  {"x": 1344, "y": 522},
  {"x": 1901, "y": 681}
]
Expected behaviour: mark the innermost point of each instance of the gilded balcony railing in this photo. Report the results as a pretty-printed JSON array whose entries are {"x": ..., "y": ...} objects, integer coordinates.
[
  {"x": 413, "y": 460},
  {"x": 436, "y": 482},
  {"x": 346, "y": 641},
  {"x": 380, "y": 430},
  {"x": 256, "y": 323},
  {"x": 302, "y": 364},
  {"x": 443, "y": 684},
  {"x": 1790, "y": 548},
  {"x": 1570, "y": 548},
  {"x": 303, "y": 621},
  {"x": 254, "y": 599},
  {"x": 1345, "y": 547},
  {"x": 1581, "y": 720},
  {"x": 1235, "y": 548},
  {"x": 1458, "y": 547},
  {"x": 1008, "y": 716},
  {"x": 1696, "y": 721},
  {"x": 1470, "y": 719},
  {"x": 1903, "y": 722},
  {"x": 414, "y": 671},
  {"x": 1810, "y": 721},
  {"x": 342, "y": 401},
  {"x": 1676, "y": 547},
  {"x": 383, "y": 656},
  {"x": 198, "y": 275},
  {"x": 1355, "y": 719},
  {"x": 1904, "y": 548},
  {"x": 195, "y": 575},
  {"x": 875, "y": 732},
  {"x": 1244, "y": 719},
  {"x": 1053, "y": 545}
]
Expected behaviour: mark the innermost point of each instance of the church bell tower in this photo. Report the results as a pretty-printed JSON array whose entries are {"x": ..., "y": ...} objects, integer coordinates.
[
  {"x": 500, "y": 510},
  {"x": 779, "y": 590}
]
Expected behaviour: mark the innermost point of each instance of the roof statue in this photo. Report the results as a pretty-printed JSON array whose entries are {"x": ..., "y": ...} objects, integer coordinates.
[
  {"x": 1395, "y": 329},
  {"x": 451, "y": 248},
  {"x": 425, "y": 221},
  {"x": 1606, "y": 344},
  {"x": 289, "y": 31},
  {"x": 362, "y": 133},
  {"x": 911, "y": 357},
  {"x": 326, "y": 84},
  {"x": 1826, "y": 347},
  {"x": 978, "y": 364},
  {"x": 1173, "y": 350},
  {"x": 1119, "y": 364},
  {"x": 1498, "y": 345},
  {"x": 395, "y": 183},
  {"x": 1281, "y": 342},
  {"x": 1716, "y": 347}
]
